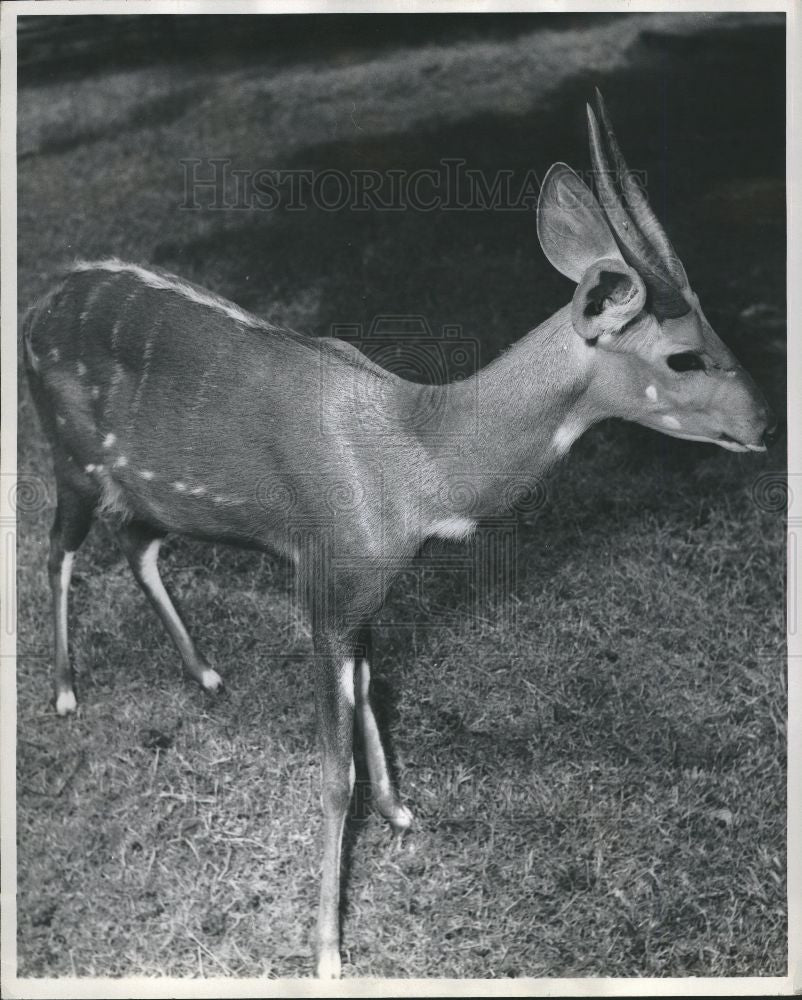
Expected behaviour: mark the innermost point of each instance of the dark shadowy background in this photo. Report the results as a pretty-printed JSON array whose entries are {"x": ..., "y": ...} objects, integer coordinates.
[{"x": 595, "y": 752}]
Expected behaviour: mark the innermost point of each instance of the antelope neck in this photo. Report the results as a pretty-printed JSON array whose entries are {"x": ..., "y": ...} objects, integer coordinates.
[{"x": 519, "y": 415}]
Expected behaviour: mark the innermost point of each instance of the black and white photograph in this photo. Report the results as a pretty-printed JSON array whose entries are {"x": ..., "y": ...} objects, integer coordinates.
[{"x": 396, "y": 499}]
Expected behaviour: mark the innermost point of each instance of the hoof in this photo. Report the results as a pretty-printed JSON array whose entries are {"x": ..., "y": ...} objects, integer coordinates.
[
  {"x": 328, "y": 965},
  {"x": 65, "y": 702},
  {"x": 401, "y": 820},
  {"x": 210, "y": 680}
]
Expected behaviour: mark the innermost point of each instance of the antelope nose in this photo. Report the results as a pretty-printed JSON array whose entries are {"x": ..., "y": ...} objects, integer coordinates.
[{"x": 772, "y": 434}]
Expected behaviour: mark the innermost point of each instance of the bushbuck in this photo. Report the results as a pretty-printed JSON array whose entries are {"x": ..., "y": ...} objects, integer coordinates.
[{"x": 176, "y": 411}]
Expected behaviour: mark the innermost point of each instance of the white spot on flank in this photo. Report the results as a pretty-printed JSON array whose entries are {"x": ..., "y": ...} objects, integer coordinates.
[
  {"x": 81, "y": 368},
  {"x": 109, "y": 440},
  {"x": 651, "y": 392},
  {"x": 66, "y": 703},
  {"x": 671, "y": 422},
  {"x": 198, "y": 491},
  {"x": 170, "y": 283},
  {"x": 89, "y": 468},
  {"x": 453, "y": 528},
  {"x": 61, "y": 421},
  {"x": 95, "y": 392},
  {"x": 347, "y": 681},
  {"x": 53, "y": 354},
  {"x": 179, "y": 487},
  {"x": 146, "y": 474},
  {"x": 564, "y": 437},
  {"x": 121, "y": 462}
]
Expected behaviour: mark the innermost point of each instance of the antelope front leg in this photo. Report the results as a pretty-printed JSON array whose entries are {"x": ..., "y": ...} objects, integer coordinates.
[{"x": 334, "y": 701}]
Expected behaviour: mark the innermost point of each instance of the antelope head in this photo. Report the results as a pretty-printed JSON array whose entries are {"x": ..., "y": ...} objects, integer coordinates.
[{"x": 653, "y": 356}]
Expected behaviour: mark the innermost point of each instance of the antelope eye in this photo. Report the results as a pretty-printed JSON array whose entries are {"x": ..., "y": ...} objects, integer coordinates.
[{"x": 685, "y": 361}]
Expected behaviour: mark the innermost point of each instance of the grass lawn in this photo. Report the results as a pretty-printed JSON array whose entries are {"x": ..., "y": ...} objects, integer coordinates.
[{"x": 595, "y": 753}]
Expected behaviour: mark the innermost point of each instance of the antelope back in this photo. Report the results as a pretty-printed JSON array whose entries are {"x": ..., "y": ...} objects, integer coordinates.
[{"x": 180, "y": 408}]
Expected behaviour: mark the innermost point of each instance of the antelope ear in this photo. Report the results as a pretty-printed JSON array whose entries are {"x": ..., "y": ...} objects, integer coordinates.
[
  {"x": 570, "y": 224},
  {"x": 609, "y": 295}
]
